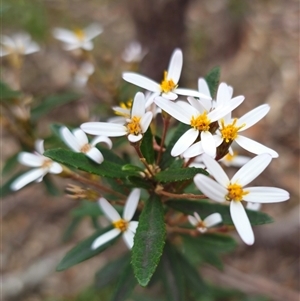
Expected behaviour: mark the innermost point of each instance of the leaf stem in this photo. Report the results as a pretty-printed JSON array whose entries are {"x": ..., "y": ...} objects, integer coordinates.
[
  {"x": 182, "y": 195},
  {"x": 142, "y": 158}
]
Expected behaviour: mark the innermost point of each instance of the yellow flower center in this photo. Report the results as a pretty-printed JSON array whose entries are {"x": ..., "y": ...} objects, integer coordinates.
[
  {"x": 126, "y": 106},
  {"x": 235, "y": 192},
  {"x": 201, "y": 123},
  {"x": 230, "y": 157},
  {"x": 79, "y": 34},
  {"x": 201, "y": 224},
  {"x": 121, "y": 224},
  {"x": 230, "y": 131},
  {"x": 167, "y": 85},
  {"x": 47, "y": 163},
  {"x": 85, "y": 148},
  {"x": 133, "y": 126}
]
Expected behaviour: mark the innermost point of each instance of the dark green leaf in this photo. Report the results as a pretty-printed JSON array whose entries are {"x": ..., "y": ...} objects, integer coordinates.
[
  {"x": 149, "y": 240},
  {"x": 68, "y": 233},
  {"x": 87, "y": 208},
  {"x": 5, "y": 189},
  {"x": 180, "y": 174},
  {"x": 55, "y": 129},
  {"x": 6, "y": 93},
  {"x": 177, "y": 163},
  {"x": 83, "y": 251},
  {"x": 81, "y": 162},
  {"x": 147, "y": 146},
  {"x": 10, "y": 164},
  {"x": 51, "y": 102},
  {"x": 205, "y": 208},
  {"x": 212, "y": 78},
  {"x": 133, "y": 168},
  {"x": 139, "y": 182},
  {"x": 111, "y": 156},
  {"x": 111, "y": 271},
  {"x": 52, "y": 189}
]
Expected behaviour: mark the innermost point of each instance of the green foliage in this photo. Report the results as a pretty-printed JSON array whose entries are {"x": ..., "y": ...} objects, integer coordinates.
[
  {"x": 149, "y": 240},
  {"x": 212, "y": 78},
  {"x": 147, "y": 146},
  {"x": 6, "y": 93},
  {"x": 10, "y": 164}
]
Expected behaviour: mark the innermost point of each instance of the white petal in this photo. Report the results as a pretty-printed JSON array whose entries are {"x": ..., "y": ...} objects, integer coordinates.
[
  {"x": 69, "y": 47},
  {"x": 70, "y": 139},
  {"x": 195, "y": 103},
  {"x": 131, "y": 204},
  {"x": 184, "y": 142},
  {"x": 29, "y": 159},
  {"x": 141, "y": 81},
  {"x": 223, "y": 95},
  {"x": 104, "y": 238},
  {"x": 241, "y": 222},
  {"x": 87, "y": 45},
  {"x": 27, "y": 178},
  {"x": 92, "y": 31},
  {"x": 55, "y": 168},
  {"x": 172, "y": 109},
  {"x": 103, "y": 139},
  {"x": 170, "y": 95},
  {"x": 39, "y": 146},
  {"x": 251, "y": 169},
  {"x": 31, "y": 48},
  {"x": 145, "y": 121},
  {"x": 138, "y": 106},
  {"x": 253, "y": 206},
  {"x": 253, "y": 116},
  {"x": 109, "y": 210},
  {"x": 104, "y": 129},
  {"x": 254, "y": 146},
  {"x": 190, "y": 92},
  {"x": 65, "y": 35},
  {"x": 203, "y": 87},
  {"x": 193, "y": 221},
  {"x": 95, "y": 155},
  {"x": 134, "y": 138},
  {"x": 237, "y": 161},
  {"x": 128, "y": 238},
  {"x": 188, "y": 109},
  {"x": 194, "y": 150},
  {"x": 132, "y": 226},
  {"x": 212, "y": 220},
  {"x": 4, "y": 51},
  {"x": 150, "y": 99},
  {"x": 175, "y": 66},
  {"x": 266, "y": 195},
  {"x": 208, "y": 144},
  {"x": 81, "y": 137},
  {"x": 210, "y": 188},
  {"x": 216, "y": 171}
]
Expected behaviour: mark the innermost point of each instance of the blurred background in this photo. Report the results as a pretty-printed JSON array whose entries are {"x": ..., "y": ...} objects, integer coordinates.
[{"x": 256, "y": 44}]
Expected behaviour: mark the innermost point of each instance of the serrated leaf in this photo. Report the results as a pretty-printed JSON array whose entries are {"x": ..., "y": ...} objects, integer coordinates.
[
  {"x": 212, "y": 78},
  {"x": 179, "y": 174},
  {"x": 147, "y": 146},
  {"x": 51, "y": 102},
  {"x": 111, "y": 271},
  {"x": 205, "y": 208},
  {"x": 81, "y": 162},
  {"x": 177, "y": 163},
  {"x": 149, "y": 240},
  {"x": 6, "y": 93},
  {"x": 83, "y": 250}
]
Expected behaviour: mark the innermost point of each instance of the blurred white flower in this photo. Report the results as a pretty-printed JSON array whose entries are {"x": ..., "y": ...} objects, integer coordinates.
[
  {"x": 208, "y": 222},
  {"x": 133, "y": 53},
  {"x": 234, "y": 160},
  {"x": 81, "y": 76}
]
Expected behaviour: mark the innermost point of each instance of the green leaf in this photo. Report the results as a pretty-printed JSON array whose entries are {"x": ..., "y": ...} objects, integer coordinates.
[
  {"x": 179, "y": 174},
  {"x": 81, "y": 162},
  {"x": 139, "y": 182},
  {"x": 10, "y": 164},
  {"x": 125, "y": 284},
  {"x": 212, "y": 78},
  {"x": 6, "y": 93},
  {"x": 87, "y": 208},
  {"x": 167, "y": 159},
  {"x": 177, "y": 163},
  {"x": 111, "y": 271},
  {"x": 51, "y": 102},
  {"x": 147, "y": 146},
  {"x": 205, "y": 208},
  {"x": 134, "y": 168},
  {"x": 52, "y": 189},
  {"x": 149, "y": 240},
  {"x": 5, "y": 188},
  {"x": 83, "y": 251}
]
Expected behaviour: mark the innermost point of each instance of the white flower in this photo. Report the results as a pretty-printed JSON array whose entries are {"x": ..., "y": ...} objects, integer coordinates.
[
  {"x": 230, "y": 129},
  {"x": 78, "y": 142},
  {"x": 83, "y": 73},
  {"x": 233, "y": 191},
  {"x": 208, "y": 222},
  {"x": 80, "y": 38},
  {"x": 124, "y": 224},
  {"x": 253, "y": 206},
  {"x": 234, "y": 160},
  {"x": 200, "y": 121},
  {"x": 134, "y": 127},
  {"x": 19, "y": 43},
  {"x": 168, "y": 88},
  {"x": 43, "y": 166},
  {"x": 134, "y": 52}
]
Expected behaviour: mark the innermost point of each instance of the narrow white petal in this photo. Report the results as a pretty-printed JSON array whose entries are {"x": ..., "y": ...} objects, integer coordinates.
[
  {"x": 69, "y": 47},
  {"x": 266, "y": 195},
  {"x": 223, "y": 95},
  {"x": 110, "y": 212},
  {"x": 175, "y": 66},
  {"x": 241, "y": 222},
  {"x": 87, "y": 45},
  {"x": 203, "y": 87},
  {"x": 210, "y": 188},
  {"x": 128, "y": 238},
  {"x": 55, "y": 168},
  {"x": 92, "y": 31},
  {"x": 141, "y": 81},
  {"x": 193, "y": 221},
  {"x": 65, "y": 35},
  {"x": 254, "y": 146},
  {"x": 237, "y": 161},
  {"x": 104, "y": 129},
  {"x": 138, "y": 106},
  {"x": 253, "y": 116},
  {"x": 134, "y": 138},
  {"x": 29, "y": 159},
  {"x": 216, "y": 171},
  {"x": 184, "y": 142},
  {"x": 208, "y": 144},
  {"x": 197, "y": 104},
  {"x": 145, "y": 121},
  {"x": 190, "y": 92},
  {"x": 150, "y": 99},
  {"x": 132, "y": 226},
  {"x": 172, "y": 109},
  {"x": 253, "y": 206},
  {"x": 188, "y": 109},
  {"x": 197, "y": 216},
  {"x": 31, "y": 48},
  {"x": 103, "y": 139},
  {"x": 212, "y": 220},
  {"x": 70, "y": 139},
  {"x": 39, "y": 146},
  {"x": 251, "y": 169},
  {"x": 131, "y": 204},
  {"x": 95, "y": 155},
  {"x": 28, "y": 177},
  {"x": 170, "y": 95},
  {"x": 80, "y": 136},
  {"x": 194, "y": 150},
  {"x": 104, "y": 238}
]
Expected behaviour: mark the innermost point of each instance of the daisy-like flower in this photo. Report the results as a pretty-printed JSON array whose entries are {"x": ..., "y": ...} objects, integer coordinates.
[
  {"x": 168, "y": 88},
  {"x": 42, "y": 164},
  {"x": 208, "y": 222},
  {"x": 124, "y": 224},
  {"x": 79, "y": 143},
  {"x": 80, "y": 38},
  {"x": 19, "y": 43},
  {"x": 230, "y": 129},
  {"x": 201, "y": 121},
  {"x": 133, "y": 53},
  {"x": 234, "y": 160},
  {"x": 234, "y": 191},
  {"x": 134, "y": 127}
]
